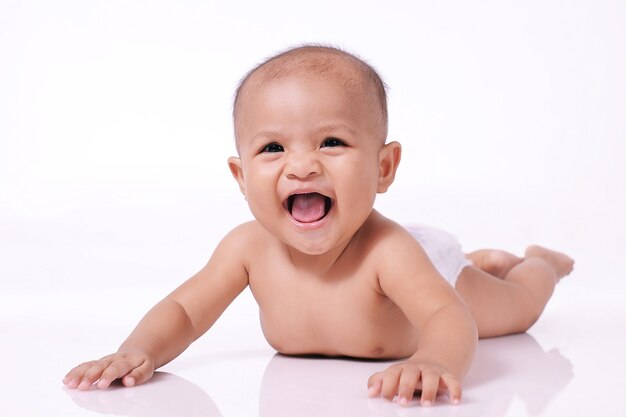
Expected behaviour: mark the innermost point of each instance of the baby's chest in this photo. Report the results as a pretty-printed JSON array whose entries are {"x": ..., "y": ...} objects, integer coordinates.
[
  {"x": 325, "y": 307},
  {"x": 343, "y": 317}
]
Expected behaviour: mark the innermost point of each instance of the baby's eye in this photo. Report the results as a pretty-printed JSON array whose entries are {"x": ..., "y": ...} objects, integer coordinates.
[
  {"x": 332, "y": 142},
  {"x": 273, "y": 147}
]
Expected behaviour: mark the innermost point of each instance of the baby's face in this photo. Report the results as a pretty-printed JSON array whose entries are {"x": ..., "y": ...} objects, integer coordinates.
[{"x": 309, "y": 159}]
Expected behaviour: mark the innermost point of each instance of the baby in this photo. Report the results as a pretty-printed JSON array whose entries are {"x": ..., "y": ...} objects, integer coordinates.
[{"x": 331, "y": 275}]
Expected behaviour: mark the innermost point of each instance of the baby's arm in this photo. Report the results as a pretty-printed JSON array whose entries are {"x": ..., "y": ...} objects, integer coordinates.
[
  {"x": 174, "y": 323},
  {"x": 447, "y": 331}
]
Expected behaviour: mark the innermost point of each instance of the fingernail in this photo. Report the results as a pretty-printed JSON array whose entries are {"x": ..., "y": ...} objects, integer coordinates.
[
  {"x": 403, "y": 400},
  {"x": 371, "y": 391},
  {"x": 456, "y": 401},
  {"x": 84, "y": 385},
  {"x": 130, "y": 381},
  {"x": 427, "y": 403}
]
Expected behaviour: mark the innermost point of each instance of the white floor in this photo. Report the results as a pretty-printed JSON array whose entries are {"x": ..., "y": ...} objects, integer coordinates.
[{"x": 570, "y": 363}]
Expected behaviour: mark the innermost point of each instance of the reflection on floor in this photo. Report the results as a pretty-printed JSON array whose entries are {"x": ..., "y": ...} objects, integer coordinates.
[
  {"x": 165, "y": 395},
  {"x": 505, "y": 368},
  {"x": 569, "y": 364}
]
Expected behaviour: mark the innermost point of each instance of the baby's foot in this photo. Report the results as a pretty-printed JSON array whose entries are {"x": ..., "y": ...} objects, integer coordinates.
[
  {"x": 561, "y": 263},
  {"x": 496, "y": 262}
]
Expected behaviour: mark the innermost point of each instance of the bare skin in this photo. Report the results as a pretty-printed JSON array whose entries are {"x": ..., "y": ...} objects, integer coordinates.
[
  {"x": 494, "y": 261},
  {"x": 507, "y": 294},
  {"x": 334, "y": 277},
  {"x": 306, "y": 322},
  {"x": 338, "y": 309}
]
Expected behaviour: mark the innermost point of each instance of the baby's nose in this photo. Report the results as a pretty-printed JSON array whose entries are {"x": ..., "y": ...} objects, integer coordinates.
[{"x": 302, "y": 165}]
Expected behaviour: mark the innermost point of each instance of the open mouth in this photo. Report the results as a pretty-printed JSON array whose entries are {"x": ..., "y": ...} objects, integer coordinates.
[{"x": 308, "y": 207}]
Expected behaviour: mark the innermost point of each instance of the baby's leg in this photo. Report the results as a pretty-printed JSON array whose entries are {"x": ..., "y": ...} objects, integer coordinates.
[
  {"x": 494, "y": 261},
  {"x": 513, "y": 303}
]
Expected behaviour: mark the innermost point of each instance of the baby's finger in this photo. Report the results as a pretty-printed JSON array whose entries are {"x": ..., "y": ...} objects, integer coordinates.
[
  {"x": 454, "y": 387},
  {"x": 391, "y": 379},
  {"x": 73, "y": 377},
  {"x": 374, "y": 384},
  {"x": 140, "y": 374},
  {"x": 406, "y": 387},
  {"x": 92, "y": 375},
  {"x": 117, "y": 369},
  {"x": 430, "y": 383}
]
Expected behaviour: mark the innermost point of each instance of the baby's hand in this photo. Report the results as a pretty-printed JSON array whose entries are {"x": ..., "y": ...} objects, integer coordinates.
[
  {"x": 134, "y": 367},
  {"x": 402, "y": 379}
]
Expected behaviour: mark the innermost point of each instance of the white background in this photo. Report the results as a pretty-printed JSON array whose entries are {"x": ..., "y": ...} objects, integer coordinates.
[
  {"x": 115, "y": 125},
  {"x": 115, "y": 128}
]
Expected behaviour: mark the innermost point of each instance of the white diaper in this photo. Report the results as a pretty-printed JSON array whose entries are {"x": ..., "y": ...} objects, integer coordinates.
[{"x": 442, "y": 248}]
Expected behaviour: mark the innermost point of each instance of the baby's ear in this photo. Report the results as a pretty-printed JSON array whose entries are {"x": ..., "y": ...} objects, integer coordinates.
[
  {"x": 234, "y": 164},
  {"x": 388, "y": 161}
]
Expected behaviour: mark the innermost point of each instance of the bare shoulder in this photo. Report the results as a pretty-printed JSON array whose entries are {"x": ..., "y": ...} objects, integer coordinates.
[
  {"x": 242, "y": 241},
  {"x": 391, "y": 240},
  {"x": 226, "y": 272},
  {"x": 248, "y": 233},
  {"x": 397, "y": 255}
]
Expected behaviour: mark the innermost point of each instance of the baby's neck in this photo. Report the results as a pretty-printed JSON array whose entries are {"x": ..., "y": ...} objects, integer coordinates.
[{"x": 323, "y": 264}]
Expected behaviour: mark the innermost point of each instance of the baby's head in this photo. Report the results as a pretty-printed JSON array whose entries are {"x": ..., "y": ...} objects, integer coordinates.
[
  {"x": 310, "y": 126},
  {"x": 349, "y": 72}
]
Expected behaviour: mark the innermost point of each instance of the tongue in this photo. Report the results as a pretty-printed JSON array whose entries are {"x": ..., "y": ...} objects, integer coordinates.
[{"x": 307, "y": 208}]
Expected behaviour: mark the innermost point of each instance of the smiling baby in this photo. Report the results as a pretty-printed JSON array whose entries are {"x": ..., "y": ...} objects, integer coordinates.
[{"x": 331, "y": 275}]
